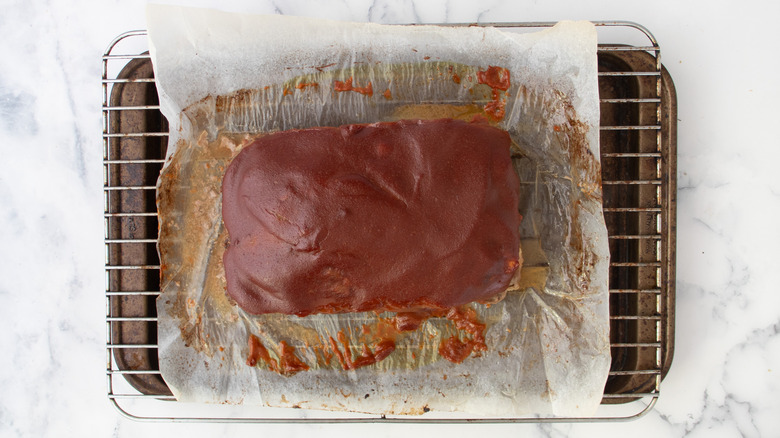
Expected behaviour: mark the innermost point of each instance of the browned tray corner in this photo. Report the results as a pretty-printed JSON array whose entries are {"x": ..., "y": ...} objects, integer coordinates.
[{"x": 642, "y": 288}]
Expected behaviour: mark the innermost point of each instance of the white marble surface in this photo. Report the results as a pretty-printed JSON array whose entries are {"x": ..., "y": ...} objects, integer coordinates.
[{"x": 725, "y": 377}]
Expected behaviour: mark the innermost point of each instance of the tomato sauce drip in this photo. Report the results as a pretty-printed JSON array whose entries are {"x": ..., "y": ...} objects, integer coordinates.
[
  {"x": 496, "y": 78},
  {"x": 465, "y": 318},
  {"x": 303, "y": 85},
  {"x": 455, "y": 76},
  {"x": 496, "y": 108},
  {"x": 382, "y": 349},
  {"x": 339, "y": 355},
  {"x": 409, "y": 321},
  {"x": 257, "y": 351},
  {"x": 368, "y": 90},
  {"x": 383, "y": 343},
  {"x": 453, "y": 348},
  {"x": 288, "y": 363}
]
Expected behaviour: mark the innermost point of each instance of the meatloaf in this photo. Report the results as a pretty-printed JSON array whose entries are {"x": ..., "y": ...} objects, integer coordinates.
[{"x": 393, "y": 216}]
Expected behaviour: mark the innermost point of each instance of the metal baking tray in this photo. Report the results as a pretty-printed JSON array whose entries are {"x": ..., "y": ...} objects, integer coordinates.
[{"x": 638, "y": 156}]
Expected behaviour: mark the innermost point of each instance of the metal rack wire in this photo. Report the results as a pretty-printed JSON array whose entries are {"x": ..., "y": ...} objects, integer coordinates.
[{"x": 638, "y": 152}]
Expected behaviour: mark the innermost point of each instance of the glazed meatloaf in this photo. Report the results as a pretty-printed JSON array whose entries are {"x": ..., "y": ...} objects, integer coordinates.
[{"x": 394, "y": 216}]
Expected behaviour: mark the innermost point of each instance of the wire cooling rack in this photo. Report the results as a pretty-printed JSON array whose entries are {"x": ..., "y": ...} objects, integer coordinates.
[{"x": 638, "y": 154}]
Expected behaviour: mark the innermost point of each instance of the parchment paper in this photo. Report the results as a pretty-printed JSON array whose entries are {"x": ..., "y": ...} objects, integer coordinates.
[{"x": 226, "y": 78}]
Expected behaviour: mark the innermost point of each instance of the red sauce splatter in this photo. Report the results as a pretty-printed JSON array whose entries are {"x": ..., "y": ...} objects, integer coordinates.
[
  {"x": 455, "y": 350},
  {"x": 335, "y": 348},
  {"x": 496, "y": 108},
  {"x": 288, "y": 363},
  {"x": 347, "y": 355},
  {"x": 387, "y": 330},
  {"x": 409, "y": 321},
  {"x": 368, "y": 90},
  {"x": 387, "y": 94},
  {"x": 323, "y": 67},
  {"x": 557, "y": 128},
  {"x": 465, "y": 318},
  {"x": 286, "y": 91},
  {"x": 455, "y": 77},
  {"x": 494, "y": 77},
  {"x": 303, "y": 85},
  {"x": 383, "y": 344},
  {"x": 381, "y": 350},
  {"x": 257, "y": 351},
  {"x": 426, "y": 58}
]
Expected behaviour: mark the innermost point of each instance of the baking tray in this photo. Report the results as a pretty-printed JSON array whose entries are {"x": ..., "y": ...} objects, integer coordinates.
[{"x": 638, "y": 155}]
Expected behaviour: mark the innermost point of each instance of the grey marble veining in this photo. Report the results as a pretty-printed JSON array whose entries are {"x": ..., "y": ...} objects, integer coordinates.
[{"x": 724, "y": 379}]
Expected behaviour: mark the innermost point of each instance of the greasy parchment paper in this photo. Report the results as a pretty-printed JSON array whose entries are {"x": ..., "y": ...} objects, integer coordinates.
[{"x": 226, "y": 78}]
